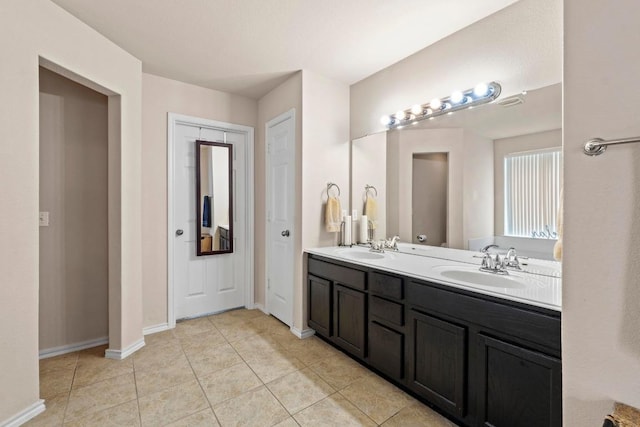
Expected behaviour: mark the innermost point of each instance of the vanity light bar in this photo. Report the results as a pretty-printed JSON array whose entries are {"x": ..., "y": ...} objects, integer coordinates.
[{"x": 459, "y": 100}]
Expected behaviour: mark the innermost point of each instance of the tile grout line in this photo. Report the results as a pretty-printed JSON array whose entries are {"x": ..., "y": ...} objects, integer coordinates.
[
  {"x": 66, "y": 406},
  {"x": 135, "y": 382},
  {"x": 196, "y": 375}
]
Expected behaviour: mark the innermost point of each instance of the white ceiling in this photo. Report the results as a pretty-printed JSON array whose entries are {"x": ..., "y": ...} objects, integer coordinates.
[{"x": 250, "y": 46}]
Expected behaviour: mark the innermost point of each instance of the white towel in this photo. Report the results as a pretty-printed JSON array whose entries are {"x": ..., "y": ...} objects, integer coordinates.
[
  {"x": 371, "y": 211},
  {"x": 333, "y": 215}
]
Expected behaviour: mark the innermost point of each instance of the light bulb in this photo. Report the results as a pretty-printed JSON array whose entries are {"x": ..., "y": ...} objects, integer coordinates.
[
  {"x": 446, "y": 105},
  {"x": 481, "y": 89},
  {"x": 457, "y": 97},
  {"x": 412, "y": 116},
  {"x": 435, "y": 104},
  {"x": 400, "y": 115},
  {"x": 416, "y": 109},
  {"x": 428, "y": 111},
  {"x": 385, "y": 120}
]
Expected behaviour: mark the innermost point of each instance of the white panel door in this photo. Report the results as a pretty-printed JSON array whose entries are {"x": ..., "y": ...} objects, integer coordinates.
[
  {"x": 280, "y": 215},
  {"x": 210, "y": 283}
]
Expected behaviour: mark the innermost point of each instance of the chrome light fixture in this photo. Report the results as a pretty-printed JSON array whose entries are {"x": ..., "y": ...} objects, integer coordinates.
[{"x": 459, "y": 100}]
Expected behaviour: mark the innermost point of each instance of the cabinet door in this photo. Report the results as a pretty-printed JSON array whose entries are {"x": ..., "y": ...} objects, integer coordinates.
[
  {"x": 518, "y": 387},
  {"x": 349, "y": 319},
  {"x": 386, "y": 350},
  {"x": 437, "y": 367},
  {"x": 320, "y": 305}
]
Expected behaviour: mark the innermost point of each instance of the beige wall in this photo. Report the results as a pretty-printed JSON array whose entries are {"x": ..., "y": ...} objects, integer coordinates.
[
  {"x": 470, "y": 182},
  {"x": 369, "y": 166},
  {"x": 516, "y": 144},
  {"x": 73, "y": 189},
  {"x": 29, "y": 29},
  {"x": 280, "y": 100},
  {"x": 159, "y": 97},
  {"x": 601, "y": 265},
  {"x": 478, "y": 196},
  {"x": 325, "y": 158},
  {"x": 519, "y": 46}
]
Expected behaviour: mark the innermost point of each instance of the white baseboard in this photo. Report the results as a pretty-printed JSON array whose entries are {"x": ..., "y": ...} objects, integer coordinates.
[
  {"x": 70, "y": 348},
  {"x": 29, "y": 413},
  {"x": 155, "y": 328},
  {"x": 302, "y": 334},
  {"x": 124, "y": 353}
]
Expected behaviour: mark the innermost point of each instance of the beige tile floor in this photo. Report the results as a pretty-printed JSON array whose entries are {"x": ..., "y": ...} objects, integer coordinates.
[{"x": 239, "y": 368}]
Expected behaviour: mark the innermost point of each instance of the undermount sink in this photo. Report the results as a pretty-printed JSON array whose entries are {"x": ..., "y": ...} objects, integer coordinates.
[
  {"x": 356, "y": 254},
  {"x": 474, "y": 276}
]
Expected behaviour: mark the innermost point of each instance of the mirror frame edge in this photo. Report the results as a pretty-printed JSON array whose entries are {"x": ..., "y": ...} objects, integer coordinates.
[{"x": 200, "y": 143}]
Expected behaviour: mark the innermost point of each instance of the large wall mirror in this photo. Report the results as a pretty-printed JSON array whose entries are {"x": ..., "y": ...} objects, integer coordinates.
[
  {"x": 442, "y": 181},
  {"x": 214, "y": 198}
]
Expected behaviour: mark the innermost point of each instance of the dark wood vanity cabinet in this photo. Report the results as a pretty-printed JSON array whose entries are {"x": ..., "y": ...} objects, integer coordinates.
[
  {"x": 482, "y": 360},
  {"x": 349, "y": 319},
  {"x": 319, "y": 295},
  {"x": 521, "y": 387},
  {"x": 387, "y": 325},
  {"x": 438, "y": 361},
  {"x": 337, "y": 304}
]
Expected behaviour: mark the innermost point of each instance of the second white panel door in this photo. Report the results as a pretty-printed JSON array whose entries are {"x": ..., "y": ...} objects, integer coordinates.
[{"x": 280, "y": 215}]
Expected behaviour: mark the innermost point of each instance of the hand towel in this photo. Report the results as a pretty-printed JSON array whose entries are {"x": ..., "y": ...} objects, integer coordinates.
[
  {"x": 333, "y": 215},
  {"x": 557, "y": 248},
  {"x": 371, "y": 211}
]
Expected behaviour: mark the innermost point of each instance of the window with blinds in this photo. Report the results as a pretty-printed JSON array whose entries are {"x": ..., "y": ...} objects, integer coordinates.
[{"x": 532, "y": 193}]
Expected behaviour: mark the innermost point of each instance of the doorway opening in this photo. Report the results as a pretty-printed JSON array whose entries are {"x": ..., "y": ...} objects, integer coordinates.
[
  {"x": 74, "y": 234},
  {"x": 430, "y": 185}
]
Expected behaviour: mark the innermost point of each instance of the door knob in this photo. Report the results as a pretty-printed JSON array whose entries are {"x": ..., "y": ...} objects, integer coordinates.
[
  {"x": 179, "y": 232},
  {"x": 285, "y": 233},
  {"x": 421, "y": 238}
]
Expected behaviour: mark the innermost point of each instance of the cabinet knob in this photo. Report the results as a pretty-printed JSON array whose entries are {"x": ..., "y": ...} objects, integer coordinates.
[
  {"x": 179, "y": 232},
  {"x": 285, "y": 233}
]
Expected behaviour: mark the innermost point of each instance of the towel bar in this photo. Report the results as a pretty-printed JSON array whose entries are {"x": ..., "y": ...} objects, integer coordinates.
[
  {"x": 331, "y": 184},
  {"x": 597, "y": 146},
  {"x": 370, "y": 187}
]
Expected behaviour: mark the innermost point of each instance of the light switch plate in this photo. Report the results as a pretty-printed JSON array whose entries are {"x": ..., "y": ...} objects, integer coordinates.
[{"x": 44, "y": 219}]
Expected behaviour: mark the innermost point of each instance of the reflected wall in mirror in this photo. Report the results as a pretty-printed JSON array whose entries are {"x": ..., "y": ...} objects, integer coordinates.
[
  {"x": 214, "y": 198},
  {"x": 476, "y": 143}
]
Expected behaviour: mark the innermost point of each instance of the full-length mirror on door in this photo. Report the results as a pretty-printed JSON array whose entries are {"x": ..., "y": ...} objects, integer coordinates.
[{"x": 214, "y": 198}]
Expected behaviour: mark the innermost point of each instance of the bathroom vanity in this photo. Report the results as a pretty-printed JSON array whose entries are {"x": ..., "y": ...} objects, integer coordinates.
[{"x": 485, "y": 355}]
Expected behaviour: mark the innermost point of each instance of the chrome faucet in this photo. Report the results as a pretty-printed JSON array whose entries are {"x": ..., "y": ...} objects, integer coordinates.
[
  {"x": 486, "y": 248},
  {"x": 377, "y": 246},
  {"x": 511, "y": 259},
  {"x": 392, "y": 243},
  {"x": 491, "y": 262}
]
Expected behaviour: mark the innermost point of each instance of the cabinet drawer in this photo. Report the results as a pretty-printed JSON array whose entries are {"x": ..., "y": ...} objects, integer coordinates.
[
  {"x": 390, "y": 311},
  {"x": 386, "y": 350},
  {"x": 383, "y": 284},
  {"x": 337, "y": 273}
]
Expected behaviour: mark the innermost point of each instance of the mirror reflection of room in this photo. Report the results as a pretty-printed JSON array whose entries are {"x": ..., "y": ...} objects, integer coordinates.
[
  {"x": 487, "y": 175},
  {"x": 214, "y": 201}
]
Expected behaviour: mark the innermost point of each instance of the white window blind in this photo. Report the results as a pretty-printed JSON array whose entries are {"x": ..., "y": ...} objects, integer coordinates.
[{"x": 532, "y": 193}]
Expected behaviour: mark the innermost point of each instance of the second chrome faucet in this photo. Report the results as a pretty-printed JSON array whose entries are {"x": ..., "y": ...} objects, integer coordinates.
[{"x": 494, "y": 263}]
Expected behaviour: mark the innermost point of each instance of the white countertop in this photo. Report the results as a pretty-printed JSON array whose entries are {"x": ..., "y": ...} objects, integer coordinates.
[{"x": 542, "y": 279}]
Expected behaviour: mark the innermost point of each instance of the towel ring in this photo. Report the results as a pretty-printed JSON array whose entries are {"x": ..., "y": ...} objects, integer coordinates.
[
  {"x": 331, "y": 184},
  {"x": 370, "y": 187}
]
